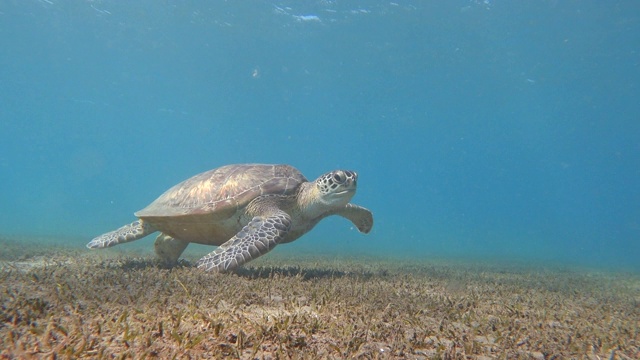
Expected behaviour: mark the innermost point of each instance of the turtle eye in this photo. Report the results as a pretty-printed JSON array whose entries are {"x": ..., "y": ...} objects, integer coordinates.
[{"x": 339, "y": 177}]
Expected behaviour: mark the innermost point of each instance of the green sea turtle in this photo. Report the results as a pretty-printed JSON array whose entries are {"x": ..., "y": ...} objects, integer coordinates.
[{"x": 245, "y": 209}]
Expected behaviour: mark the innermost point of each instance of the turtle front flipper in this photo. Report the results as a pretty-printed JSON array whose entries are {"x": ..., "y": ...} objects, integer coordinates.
[
  {"x": 257, "y": 238},
  {"x": 134, "y": 231},
  {"x": 361, "y": 217}
]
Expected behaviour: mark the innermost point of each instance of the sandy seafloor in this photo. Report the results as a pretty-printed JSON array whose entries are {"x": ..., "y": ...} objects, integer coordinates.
[{"x": 69, "y": 302}]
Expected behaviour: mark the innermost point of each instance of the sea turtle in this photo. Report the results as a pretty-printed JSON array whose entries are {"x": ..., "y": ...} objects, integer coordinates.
[{"x": 245, "y": 209}]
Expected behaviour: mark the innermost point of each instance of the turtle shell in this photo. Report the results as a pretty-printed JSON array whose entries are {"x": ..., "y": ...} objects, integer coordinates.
[{"x": 221, "y": 192}]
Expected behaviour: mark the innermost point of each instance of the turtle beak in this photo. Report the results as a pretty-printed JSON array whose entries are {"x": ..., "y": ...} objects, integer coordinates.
[
  {"x": 346, "y": 191},
  {"x": 351, "y": 175},
  {"x": 352, "y": 179}
]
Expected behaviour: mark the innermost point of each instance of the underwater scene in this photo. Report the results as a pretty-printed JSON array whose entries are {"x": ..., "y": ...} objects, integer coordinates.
[{"x": 457, "y": 179}]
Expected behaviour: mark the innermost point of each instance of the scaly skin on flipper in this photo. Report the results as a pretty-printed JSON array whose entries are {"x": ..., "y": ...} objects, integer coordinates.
[
  {"x": 359, "y": 216},
  {"x": 134, "y": 231},
  {"x": 255, "y": 239}
]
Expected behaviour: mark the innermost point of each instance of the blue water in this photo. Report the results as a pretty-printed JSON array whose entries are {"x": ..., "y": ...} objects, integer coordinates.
[{"x": 503, "y": 130}]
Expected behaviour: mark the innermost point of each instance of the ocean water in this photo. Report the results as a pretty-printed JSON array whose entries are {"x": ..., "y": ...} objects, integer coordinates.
[{"x": 486, "y": 130}]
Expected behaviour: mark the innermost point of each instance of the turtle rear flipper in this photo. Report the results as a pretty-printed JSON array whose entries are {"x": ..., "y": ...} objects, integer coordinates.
[
  {"x": 169, "y": 248},
  {"x": 134, "y": 231},
  {"x": 257, "y": 238}
]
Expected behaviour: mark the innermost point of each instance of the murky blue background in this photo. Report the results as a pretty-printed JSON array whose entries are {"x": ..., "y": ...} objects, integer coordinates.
[{"x": 504, "y": 130}]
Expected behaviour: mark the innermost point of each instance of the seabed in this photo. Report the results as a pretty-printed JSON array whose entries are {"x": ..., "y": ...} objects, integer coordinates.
[{"x": 74, "y": 303}]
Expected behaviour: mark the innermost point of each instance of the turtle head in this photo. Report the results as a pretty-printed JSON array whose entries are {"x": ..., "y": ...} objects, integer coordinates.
[{"x": 336, "y": 188}]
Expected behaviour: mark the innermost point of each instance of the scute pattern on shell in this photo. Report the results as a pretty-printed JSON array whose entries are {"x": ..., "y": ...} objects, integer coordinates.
[{"x": 224, "y": 189}]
